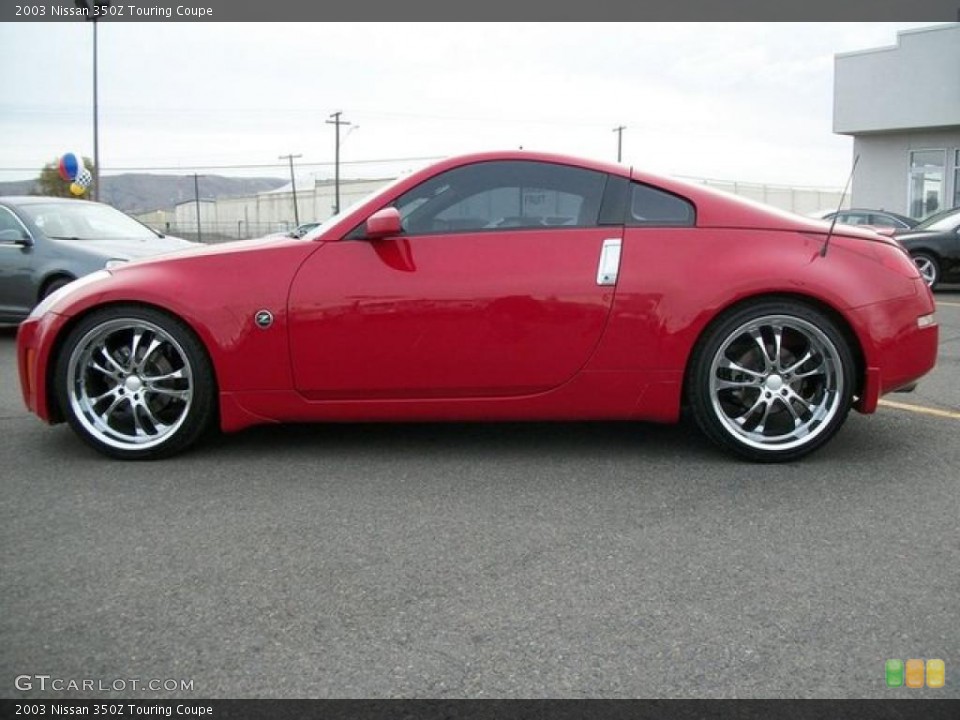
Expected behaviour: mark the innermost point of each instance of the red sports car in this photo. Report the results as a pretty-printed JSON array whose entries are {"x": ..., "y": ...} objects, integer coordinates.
[{"x": 499, "y": 286}]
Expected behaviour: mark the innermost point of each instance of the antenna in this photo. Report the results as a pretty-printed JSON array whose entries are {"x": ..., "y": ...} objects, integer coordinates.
[{"x": 843, "y": 196}]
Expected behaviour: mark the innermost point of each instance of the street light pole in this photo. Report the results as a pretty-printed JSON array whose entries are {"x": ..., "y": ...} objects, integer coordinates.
[
  {"x": 293, "y": 183},
  {"x": 96, "y": 123},
  {"x": 91, "y": 10},
  {"x": 336, "y": 161}
]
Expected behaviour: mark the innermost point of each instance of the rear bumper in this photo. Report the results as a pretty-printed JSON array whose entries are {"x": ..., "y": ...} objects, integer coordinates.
[{"x": 897, "y": 350}]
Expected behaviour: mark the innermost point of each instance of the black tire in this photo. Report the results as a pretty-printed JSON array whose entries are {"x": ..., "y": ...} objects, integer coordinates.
[
  {"x": 929, "y": 267},
  {"x": 53, "y": 285},
  {"x": 751, "y": 394},
  {"x": 135, "y": 398}
]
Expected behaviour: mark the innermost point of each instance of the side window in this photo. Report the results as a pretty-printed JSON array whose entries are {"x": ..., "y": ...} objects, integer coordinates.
[
  {"x": 10, "y": 228},
  {"x": 503, "y": 195},
  {"x": 650, "y": 206},
  {"x": 883, "y": 221}
]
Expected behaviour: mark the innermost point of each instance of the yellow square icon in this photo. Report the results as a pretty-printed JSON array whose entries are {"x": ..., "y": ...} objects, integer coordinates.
[
  {"x": 935, "y": 673},
  {"x": 914, "y": 673}
]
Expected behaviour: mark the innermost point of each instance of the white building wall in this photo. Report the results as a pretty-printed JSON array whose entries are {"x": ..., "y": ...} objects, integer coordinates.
[
  {"x": 882, "y": 178},
  {"x": 915, "y": 84}
]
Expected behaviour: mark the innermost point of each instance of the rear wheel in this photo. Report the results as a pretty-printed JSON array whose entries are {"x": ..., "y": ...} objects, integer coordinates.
[
  {"x": 135, "y": 383},
  {"x": 929, "y": 268},
  {"x": 772, "y": 381}
]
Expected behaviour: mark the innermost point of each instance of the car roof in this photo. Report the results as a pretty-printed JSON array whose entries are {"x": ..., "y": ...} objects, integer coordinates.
[{"x": 34, "y": 199}]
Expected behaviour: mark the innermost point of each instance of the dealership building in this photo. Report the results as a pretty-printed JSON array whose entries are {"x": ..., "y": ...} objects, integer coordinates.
[{"x": 901, "y": 104}]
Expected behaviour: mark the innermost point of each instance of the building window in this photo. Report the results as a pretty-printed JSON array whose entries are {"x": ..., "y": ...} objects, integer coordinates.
[
  {"x": 926, "y": 182},
  {"x": 956, "y": 179}
]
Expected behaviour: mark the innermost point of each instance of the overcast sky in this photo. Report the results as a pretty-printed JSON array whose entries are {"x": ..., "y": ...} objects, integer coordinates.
[{"x": 736, "y": 101}]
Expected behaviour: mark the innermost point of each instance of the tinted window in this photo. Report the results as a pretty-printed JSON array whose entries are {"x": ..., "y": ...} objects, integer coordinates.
[
  {"x": 502, "y": 195},
  {"x": 649, "y": 206}
]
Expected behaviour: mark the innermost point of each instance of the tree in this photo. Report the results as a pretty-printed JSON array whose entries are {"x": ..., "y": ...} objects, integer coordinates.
[{"x": 51, "y": 184}]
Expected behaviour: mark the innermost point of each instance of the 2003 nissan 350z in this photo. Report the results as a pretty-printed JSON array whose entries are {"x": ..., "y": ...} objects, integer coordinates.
[{"x": 499, "y": 286}]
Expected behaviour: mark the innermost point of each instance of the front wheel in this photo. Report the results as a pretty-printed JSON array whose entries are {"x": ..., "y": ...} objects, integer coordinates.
[
  {"x": 135, "y": 383},
  {"x": 772, "y": 381}
]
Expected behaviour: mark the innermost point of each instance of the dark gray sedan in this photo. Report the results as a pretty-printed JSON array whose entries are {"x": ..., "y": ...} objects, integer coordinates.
[{"x": 46, "y": 242}]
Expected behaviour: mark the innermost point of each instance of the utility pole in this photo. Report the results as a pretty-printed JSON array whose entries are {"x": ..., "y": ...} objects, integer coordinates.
[
  {"x": 336, "y": 161},
  {"x": 619, "y": 131},
  {"x": 196, "y": 195},
  {"x": 293, "y": 183}
]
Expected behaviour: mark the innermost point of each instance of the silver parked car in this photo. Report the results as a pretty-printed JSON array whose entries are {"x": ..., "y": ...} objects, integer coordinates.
[{"x": 47, "y": 242}]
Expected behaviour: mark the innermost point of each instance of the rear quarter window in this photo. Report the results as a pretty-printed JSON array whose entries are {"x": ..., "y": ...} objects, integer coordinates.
[{"x": 650, "y": 206}]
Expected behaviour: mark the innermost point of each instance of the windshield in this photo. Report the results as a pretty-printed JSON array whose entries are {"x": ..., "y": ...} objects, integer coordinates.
[
  {"x": 85, "y": 221},
  {"x": 941, "y": 222}
]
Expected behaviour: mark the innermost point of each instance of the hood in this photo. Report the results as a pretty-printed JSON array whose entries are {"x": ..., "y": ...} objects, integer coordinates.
[
  {"x": 192, "y": 250},
  {"x": 131, "y": 249}
]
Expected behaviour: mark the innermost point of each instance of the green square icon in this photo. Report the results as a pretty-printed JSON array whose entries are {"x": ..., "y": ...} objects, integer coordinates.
[{"x": 894, "y": 673}]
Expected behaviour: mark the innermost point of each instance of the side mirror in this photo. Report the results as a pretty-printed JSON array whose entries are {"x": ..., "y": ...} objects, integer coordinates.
[
  {"x": 16, "y": 237},
  {"x": 384, "y": 223}
]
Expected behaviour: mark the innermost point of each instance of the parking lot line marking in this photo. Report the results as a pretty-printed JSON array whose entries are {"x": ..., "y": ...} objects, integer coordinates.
[
  {"x": 950, "y": 304},
  {"x": 923, "y": 409}
]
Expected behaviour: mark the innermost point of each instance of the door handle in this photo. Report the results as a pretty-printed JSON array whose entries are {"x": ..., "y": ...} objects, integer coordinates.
[{"x": 609, "y": 262}]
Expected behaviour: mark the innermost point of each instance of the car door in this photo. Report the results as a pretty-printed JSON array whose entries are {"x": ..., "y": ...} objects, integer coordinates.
[
  {"x": 17, "y": 291},
  {"x": 492, "y": 290}
]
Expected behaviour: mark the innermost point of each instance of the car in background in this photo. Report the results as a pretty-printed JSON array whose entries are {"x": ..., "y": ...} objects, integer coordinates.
[
  {"x": 871, "y": 218},
  {"x": 297, "y": 232},
  {"x": 934, "y": 245},
  {"x": 47, "y": 242}
]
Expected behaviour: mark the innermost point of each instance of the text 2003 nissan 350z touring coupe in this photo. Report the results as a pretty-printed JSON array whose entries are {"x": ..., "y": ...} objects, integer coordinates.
[{"x": 500, "y": 286}]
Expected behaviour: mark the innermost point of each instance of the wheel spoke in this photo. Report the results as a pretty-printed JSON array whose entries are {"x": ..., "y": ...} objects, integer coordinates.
[
  {"x": 728, "y": 364},
  {"x": 105, "y": 415},
  {"x": 175, "y": 375},
  {"x": 790, "y": 369},
  {"x": 151, "y": 348},
  {"x": 777, "y": 343},
  {"x": 168, "y": 392},
  {"x": 157, "y": 425},
  {"x": 110, "y": 359},
  {"x": 134, "y": 344},
  {"x": 762, "y": 344}
]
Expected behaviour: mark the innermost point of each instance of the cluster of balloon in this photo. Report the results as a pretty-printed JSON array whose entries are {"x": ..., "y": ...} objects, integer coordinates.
[{"x": 72, "y": 171}]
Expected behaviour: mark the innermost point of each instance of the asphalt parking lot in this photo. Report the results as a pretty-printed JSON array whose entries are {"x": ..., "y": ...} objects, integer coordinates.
[{"x": 516, "y": 560}]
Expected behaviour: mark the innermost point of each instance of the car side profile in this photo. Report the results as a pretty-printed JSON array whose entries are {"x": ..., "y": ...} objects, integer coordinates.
[
  {"x": 495, "y": 286},
  {"x": 47, "y": 242}
]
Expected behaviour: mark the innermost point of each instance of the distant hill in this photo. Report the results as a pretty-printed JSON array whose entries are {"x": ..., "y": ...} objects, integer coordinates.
[{"x": 143, "y": 192}]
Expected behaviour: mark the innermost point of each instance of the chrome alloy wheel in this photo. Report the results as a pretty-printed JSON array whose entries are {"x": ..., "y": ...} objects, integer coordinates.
[
  {"x": 928, "y": 269},
  {"x": 130, "y": 384},
  {"x": 776, "y": 382}
]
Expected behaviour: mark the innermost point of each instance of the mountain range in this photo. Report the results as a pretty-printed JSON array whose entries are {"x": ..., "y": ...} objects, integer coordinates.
[{"x": 143, "y": 192}]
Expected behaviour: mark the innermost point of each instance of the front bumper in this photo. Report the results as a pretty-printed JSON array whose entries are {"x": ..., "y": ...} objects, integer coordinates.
[{"x": 35, "y": 362}]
